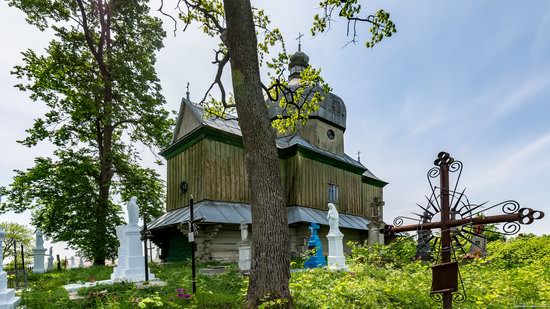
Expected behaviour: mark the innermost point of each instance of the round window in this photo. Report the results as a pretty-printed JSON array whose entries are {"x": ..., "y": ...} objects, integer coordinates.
[{"x": 330, "y": 134}]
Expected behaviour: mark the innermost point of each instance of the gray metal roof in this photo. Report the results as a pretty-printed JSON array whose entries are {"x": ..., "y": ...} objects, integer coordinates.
[
  {"x": 305, "y": 214},
  {"x": 235, "y": 213},
  {"x": 231, "y": 125},
  {"x": 291, "y": 140},
  {"x": 369, "y": 174}
]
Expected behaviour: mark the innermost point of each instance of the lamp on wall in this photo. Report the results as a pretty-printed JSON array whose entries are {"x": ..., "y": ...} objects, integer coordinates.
[{"x": 183, "y": 187}]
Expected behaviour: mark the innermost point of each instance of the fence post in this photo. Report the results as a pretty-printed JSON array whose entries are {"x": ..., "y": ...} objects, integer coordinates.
[{"x": 23, "y": 265}]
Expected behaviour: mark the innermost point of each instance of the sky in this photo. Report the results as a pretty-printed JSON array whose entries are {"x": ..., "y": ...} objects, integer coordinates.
[{"x": 468, "y": 77}]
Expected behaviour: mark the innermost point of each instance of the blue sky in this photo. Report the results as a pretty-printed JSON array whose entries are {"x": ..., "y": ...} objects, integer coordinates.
[{"x": 468, "y": 77}]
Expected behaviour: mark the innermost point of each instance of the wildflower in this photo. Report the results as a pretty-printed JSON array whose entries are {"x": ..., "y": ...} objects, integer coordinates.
[{"x": 184, "y": 295}]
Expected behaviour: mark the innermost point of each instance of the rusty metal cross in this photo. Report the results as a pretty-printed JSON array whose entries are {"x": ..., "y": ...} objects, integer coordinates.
[{"x": 458, "y": 220}]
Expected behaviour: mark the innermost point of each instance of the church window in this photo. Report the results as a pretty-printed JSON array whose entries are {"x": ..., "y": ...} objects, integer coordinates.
[
  {"x": 332, "y": 193},
  {"x": 330, "y": 134}
]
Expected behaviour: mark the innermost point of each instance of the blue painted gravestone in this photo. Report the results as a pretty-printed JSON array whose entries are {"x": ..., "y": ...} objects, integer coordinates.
[{"x": 317, "y": 259}]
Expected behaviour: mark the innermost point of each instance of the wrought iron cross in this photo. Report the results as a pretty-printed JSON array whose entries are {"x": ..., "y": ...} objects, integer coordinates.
[
  {"x": 299, "y": 38},
  {"x": 459, "y": 221}
]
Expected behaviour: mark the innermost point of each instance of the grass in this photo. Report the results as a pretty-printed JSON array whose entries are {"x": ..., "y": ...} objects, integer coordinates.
[
  {"x": 515, "y": 273},
  {"x": 222, "y": 291}
]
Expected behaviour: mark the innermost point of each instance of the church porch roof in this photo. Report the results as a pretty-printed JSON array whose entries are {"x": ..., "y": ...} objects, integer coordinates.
[{"x": 235, "y": 213}]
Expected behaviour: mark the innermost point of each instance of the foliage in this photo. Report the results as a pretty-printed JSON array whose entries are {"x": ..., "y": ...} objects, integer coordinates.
[
  {"x": 98, "y": 81},
  {"x": 246, "y": 38},
  {"x": 296, "y": 101},
  {"x": 223, "y": 291},
  {"x": 381, "y": 25},
  {"x": 515, "y": 273},
  {"x": 22, "y": 234},
  {"x": 397, "y": 254}
]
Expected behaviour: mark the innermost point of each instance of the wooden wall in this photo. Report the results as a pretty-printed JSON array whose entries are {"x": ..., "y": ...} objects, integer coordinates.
[
  {"x": 313, "y": 178},
  {"x": 186, "y": 166},
  {"x": 216, "y": 171}
]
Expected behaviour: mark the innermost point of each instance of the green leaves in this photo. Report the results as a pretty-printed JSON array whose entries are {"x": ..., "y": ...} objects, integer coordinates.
[
  {"x": 381, "y": 25},
  {"x": 98, "y": 81}
]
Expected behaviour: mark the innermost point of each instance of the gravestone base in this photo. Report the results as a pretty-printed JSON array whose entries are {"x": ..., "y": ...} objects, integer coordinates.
[
  {"x": 8, "y": 300},
  {"x": 336, "y": 258},
  {"x": 39, "y": 255},
  {"x": 244, "y": 258},
  {"x": 135, "y": 260}
]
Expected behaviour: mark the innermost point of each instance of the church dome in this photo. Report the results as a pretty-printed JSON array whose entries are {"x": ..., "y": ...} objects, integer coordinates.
[{"x": 332, "y": 109}]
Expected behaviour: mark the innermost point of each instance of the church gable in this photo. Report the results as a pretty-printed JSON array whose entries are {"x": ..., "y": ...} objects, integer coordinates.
[{"x": 187, "y": 120}]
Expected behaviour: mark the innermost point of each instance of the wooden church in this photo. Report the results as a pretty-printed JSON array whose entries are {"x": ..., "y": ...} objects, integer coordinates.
[{"x": 206, "y": 160}]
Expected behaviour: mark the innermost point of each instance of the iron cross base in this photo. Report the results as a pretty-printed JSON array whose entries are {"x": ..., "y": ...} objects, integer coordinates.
[{"x": 456, "y": 222}]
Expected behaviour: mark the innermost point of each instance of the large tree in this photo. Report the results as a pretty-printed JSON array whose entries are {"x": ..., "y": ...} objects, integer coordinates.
[
  {"x": 98, "y": 81},
  {"x": 238, "y": 25}
]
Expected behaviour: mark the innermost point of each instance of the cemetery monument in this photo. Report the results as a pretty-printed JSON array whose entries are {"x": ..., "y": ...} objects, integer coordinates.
[
  {"x": 336, "y": 259},
  {"x": 50, "y": 260},
  {"x": 39, "y": 253},
  {"x": 8, "y": 300}
]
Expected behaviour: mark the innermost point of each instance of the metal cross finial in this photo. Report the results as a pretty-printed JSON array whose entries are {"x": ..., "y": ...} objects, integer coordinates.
[
  {"x": 187, "y": 93},
  {"x": 358, "y": 156},
  {"x": 299, "y": 38}
]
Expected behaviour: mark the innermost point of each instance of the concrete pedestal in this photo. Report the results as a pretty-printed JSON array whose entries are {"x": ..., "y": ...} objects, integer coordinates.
[
  {"x": 135, "y": 260},
  {"x": 375, "y": 237},
  {"x": 8, "y": 300},
  {"x": 39, "y": 255},
  {"x": 245, "y": 258},
  {"x": 121, "y": 262},
  {"x": 336, "y": 258}
]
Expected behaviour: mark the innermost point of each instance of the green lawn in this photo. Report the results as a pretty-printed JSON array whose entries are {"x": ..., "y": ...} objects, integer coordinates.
[
  {"x": 221, "y": 291},
  {"x": 515, "y": 273}
]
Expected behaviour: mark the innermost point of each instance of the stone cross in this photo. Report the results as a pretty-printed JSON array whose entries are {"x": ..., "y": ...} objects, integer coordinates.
[{"x": 376, "y": 204}]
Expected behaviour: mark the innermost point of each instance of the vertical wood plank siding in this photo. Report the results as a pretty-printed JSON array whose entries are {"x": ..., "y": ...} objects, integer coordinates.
[
  {"x": 216, "y": 171},
  {"x": 314, "y": 179}
]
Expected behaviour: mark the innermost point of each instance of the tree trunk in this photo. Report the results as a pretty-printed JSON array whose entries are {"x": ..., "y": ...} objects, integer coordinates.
[
  {"x": 105, "y": 177},
  {"x": 270, "y": 273}
]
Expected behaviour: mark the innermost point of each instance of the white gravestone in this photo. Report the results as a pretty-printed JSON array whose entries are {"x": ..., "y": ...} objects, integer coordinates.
[
  {"x": 121, "y": 264},
  {"x": 8, "y": 300},
  {"x": 244, "y": 249},
  {"x": 39, "y": 253},
  {"x": 50, "y": 260},
  {"x": 135, "y": 260},
  {"x": 336, "y": 259}
]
